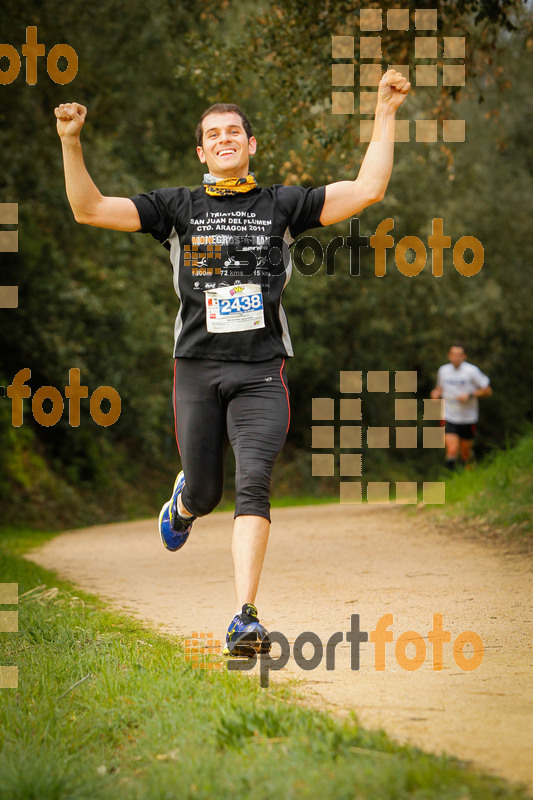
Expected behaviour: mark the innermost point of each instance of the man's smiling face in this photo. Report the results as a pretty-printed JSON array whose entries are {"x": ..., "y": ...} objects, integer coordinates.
[{"x": 226, "y": 149}]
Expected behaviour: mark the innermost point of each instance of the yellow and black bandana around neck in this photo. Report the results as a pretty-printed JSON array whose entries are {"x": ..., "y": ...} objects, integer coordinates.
[{"x": 219, "y": 187}]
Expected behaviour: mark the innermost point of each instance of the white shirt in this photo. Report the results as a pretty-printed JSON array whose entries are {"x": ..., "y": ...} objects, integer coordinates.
[{"x": 454, "y": 382}]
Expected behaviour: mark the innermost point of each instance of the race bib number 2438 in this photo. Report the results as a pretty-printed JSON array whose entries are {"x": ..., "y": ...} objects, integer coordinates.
[{"x": 234, "y": 308}]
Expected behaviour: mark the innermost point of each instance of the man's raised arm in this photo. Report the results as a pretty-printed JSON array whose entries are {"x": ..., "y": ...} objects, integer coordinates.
[
  {"x": 88, "y": 204},
  {"x": 344, "y": 199}
]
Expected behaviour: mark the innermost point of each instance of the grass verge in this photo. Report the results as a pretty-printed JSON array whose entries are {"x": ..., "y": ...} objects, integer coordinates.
[
  {"x": 498, "y": 492},
  {"x": 108, "y": 709}
]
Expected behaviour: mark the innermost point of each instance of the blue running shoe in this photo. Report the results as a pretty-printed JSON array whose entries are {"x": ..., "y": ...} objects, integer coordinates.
[
  {"x": 173, "y": 529},
  {"x": 246, "y": 635}
]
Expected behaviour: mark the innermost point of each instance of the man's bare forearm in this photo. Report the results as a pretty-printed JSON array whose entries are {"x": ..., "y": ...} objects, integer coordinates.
[
  {"x": 87, "y": 203},
  {"x": 346, "y": 198},
  {"x": 485, "y": 392},
  {"x": 83, "y": 195},
  {"x": 375, "y": 172},
  {"x": 376, "y": 167}
]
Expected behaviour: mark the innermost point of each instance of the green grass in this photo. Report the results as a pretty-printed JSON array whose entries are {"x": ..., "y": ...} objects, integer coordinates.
[
  {"x": 498, "y": 492},
  {"x": 144, "y": 725}
]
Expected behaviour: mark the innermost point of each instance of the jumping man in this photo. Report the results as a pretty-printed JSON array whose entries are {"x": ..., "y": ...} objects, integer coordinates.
[{"x": 231, "y": 336}]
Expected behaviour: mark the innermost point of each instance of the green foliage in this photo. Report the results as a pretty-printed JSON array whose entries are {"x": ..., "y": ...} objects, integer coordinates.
[{"x": 288, "y": 95}]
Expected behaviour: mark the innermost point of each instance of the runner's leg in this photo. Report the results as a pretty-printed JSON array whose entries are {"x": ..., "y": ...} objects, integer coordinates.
[
  {"x": 451, "y": 441},
  {"x": 466, "y": 452},
  {"x": 250, "y": 539},
  {"x": 257, "y": 421},
  {"x": 200, "y": 416}
]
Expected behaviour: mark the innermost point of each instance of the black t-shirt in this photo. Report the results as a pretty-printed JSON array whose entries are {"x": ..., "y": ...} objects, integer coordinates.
[{"x": 238, "y": 242}]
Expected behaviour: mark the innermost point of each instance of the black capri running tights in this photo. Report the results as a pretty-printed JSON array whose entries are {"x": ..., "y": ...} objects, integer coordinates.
[{"x": 242, "y": 402}]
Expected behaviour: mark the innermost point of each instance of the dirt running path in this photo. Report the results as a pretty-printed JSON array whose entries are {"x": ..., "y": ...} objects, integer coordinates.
[{"x": 325, "y": 563}]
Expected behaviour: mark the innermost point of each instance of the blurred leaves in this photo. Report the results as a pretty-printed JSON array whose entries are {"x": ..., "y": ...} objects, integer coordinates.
[{"x": 275, "y": 57}]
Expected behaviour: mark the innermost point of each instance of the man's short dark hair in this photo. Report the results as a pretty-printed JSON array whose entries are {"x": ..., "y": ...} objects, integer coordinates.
[
  {"x": 223, "y": 108},
  {"x": 459, "y": 344}
]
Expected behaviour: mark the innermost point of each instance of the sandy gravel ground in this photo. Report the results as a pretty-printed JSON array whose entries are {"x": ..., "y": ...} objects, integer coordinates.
[{"x": 325, "y": 563}]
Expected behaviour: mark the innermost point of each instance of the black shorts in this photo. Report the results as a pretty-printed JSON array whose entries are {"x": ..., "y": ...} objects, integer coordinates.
[
  {"x": 245, "y": 403},
  {"x": 462, "y": 431}
]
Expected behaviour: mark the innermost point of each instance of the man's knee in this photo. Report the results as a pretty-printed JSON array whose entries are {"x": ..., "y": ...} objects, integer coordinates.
[
  {"x": 252, "y": 507},
  {"x": 254, "y": 483},
  {"x": 201, "y": 502},
  {"x": 252, "y": 495}
]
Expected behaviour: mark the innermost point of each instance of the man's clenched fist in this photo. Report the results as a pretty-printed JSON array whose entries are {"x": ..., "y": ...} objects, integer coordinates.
[
  {"x": 393, "y": 89},
  {"x": 70, "y": 119}
]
